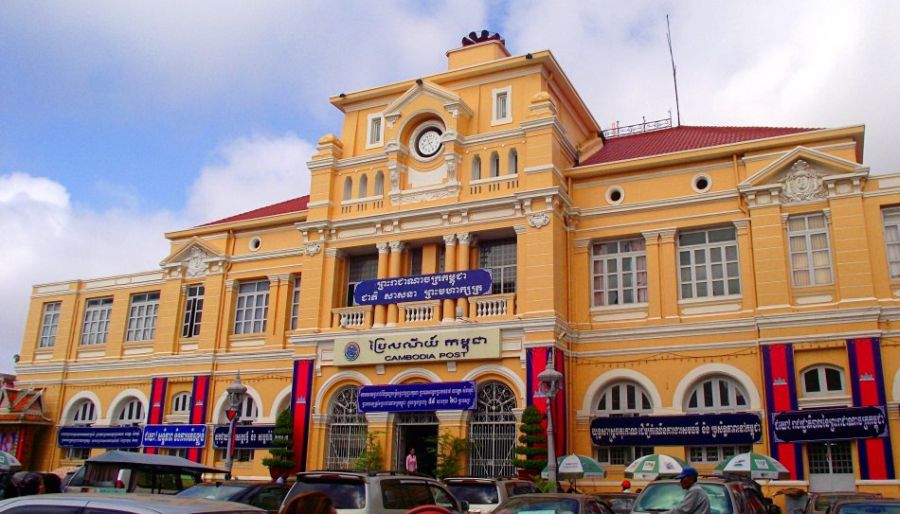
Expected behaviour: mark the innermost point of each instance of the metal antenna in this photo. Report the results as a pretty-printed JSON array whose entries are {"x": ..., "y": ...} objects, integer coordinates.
[{"x": 674, "y": 75}]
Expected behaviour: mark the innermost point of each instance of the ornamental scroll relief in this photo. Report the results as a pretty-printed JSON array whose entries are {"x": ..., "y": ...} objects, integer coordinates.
[{"x": 803, "y": 183}]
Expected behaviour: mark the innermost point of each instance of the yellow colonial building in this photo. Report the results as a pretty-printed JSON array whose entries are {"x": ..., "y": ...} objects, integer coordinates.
[{"x": 704, "y": 291}]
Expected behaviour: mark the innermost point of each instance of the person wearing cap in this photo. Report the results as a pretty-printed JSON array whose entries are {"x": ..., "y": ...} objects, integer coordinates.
[
  {"x": 695, "y": 500},
  {"x": 626, "y": 486}
]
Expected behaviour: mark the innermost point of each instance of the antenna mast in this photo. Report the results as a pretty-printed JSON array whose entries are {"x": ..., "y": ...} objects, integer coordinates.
[{"x": 674, "y": 75}]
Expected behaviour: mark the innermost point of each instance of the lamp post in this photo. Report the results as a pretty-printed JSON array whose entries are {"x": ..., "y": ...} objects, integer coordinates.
[
  {"x": 550, "y": 382},
  {"x": 236, "y": 391}
]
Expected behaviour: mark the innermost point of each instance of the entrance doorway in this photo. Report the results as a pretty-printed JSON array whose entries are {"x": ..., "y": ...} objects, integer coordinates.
[
  {"x": 417, "y": 430},
  {"x": 831, "y": 466}
]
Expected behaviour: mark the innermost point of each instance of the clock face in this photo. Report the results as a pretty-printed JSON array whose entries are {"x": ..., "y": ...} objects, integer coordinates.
[{"x": 429, "y": 142}]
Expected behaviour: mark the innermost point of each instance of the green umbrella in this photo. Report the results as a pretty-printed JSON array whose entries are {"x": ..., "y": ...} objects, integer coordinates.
[
  {"x": 651, "y": 466},
  {"x": 574, "y": 466},
  {"x": 754, "y": 465},
  {"x": 8, "y": 461}
]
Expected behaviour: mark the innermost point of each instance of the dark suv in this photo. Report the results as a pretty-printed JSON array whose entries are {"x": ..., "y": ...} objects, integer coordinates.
[
  {"x": 376, "y": 493},
  {"x": 726, "y": 496}
]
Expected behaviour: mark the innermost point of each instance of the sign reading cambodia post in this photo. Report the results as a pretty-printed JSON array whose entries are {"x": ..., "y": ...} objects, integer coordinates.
[
  {"x": 174, "y": 436},
  {"x": 416, "y": 397},
  {"x": 419, "y": 346},
  {"x": 99, "y": 437},
  {"x": 705, "y": 429},
  {"x": 829, "y": 424},
  {"x": 418, "y": 288}
]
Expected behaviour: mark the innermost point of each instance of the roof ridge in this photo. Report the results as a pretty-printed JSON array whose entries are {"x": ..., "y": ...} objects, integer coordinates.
[{"x": 273, "y": 208}]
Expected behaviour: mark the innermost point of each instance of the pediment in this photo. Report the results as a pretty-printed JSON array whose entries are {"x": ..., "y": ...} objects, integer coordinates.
[
  {"x": 450, "y": 101},
  {"x": 804, "y": 175},
  {"x": 195, "y": 258}
]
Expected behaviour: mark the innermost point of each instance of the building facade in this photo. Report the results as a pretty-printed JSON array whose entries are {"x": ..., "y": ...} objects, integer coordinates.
[{"x": 677, "y": 277}]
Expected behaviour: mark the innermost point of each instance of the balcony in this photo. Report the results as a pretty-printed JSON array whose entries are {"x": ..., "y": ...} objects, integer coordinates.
[
  {"x": 415, "y": 313},
  {"x": 359, "y": 316},
  {"x": 494, "y": 184},
  {"x": 492, "y": 307}
]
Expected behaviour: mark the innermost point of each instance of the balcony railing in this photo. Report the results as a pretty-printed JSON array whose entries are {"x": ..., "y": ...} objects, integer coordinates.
[
  {"x": 359, "y": 316},
  {"x": 492, "y": 306},
  {"x": 420, "y": 312},
  {"x": 493, "y": 184}
]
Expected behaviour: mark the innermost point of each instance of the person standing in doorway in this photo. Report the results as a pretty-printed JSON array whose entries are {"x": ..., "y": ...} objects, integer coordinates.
[{"x": 411, "y": 464}]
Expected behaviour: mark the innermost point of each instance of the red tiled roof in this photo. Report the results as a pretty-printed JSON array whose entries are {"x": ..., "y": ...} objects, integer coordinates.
[
  {"x": 285, "y": 207},
  {"x": 679, "y": 139}
]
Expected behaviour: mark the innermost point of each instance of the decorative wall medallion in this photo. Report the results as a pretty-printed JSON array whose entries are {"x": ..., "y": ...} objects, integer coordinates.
[
  {"x": 313, "y": 248},
  {"x": 803, "y": 183},
  {"x": 539, "y": 220},
  {"x": 195, "y": 263}
]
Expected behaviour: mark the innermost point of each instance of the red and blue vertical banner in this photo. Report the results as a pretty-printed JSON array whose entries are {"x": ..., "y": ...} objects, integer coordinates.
[
  {"x": 301, "y": 402},
  {"x": 536, "y": 361},
  {"x": 781, "y": 396},
  {"x": 157, "y": 405},
  {"x": 199, "y": 399},
  {"x": 876, "y": 460}
]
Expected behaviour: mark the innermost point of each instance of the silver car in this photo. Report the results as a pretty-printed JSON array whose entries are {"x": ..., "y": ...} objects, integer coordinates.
[
  {"x": 484, "y": 494},
  {"x": 75, "y": 503}
]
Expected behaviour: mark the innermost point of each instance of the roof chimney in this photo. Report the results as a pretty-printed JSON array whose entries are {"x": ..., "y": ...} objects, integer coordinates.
[{"x": 477, "y": 48}]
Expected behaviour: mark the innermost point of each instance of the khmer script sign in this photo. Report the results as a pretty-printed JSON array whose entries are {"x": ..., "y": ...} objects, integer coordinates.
[
  {"x": 681, "y": 430},
  {"x": 418, "y": 346},
  {"x": 417, "y": 397},
  {"x": 809, "y": 425},
  {"x": 419, "y": 288}
]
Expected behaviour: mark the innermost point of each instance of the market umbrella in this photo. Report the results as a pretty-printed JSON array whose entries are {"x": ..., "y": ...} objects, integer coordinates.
[
  {"x": 8, "y": 461},
  {"x": 574, "y": 466},
  {"x": 651, "y": 466},
  {"x": 754, "y": 465}
]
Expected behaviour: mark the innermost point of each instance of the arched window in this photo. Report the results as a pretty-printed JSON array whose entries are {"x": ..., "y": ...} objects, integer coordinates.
[
  {"x": 179, "y": 414},
  {"x": 248, "y": 412},
  {"x": 513, "y": 163},
  {"x": 379, "y": 183},
  {"x": 495, "y": 164},
  {"x": 717, "y": 394},
  {"x": 476, "y": 168},
  {"x": 492, "y": 432},
  {"x": 823, "y": 381},
  {"x": 348, "y": 188},
  {"x": 347, "y": 430},
  {"x": 181, "y": 404},
  {"x": 130, "y": 414},
  {"x": 84, "y": 414},
  {"x": 363, "y": 186},
  {"x": 621, "y": 399}
]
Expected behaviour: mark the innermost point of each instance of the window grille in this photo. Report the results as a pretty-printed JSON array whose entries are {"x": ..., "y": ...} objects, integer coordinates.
[
  {"x": 347, "y": 430},
  {"x": 810, "y": 250},
  {"x": 142, "y": 317},
  {"x": 620, "y": 272},
  {"x": 96, "y": 321},
  {"x": 193, "y": 311},
  {"x": 492, "y": 432},
  {"x": 708, "y": 263},
  {"x": 831, "y": 457},
  {"x": 499, "y": 257},
  {"x": 252, "y": 307},
  {"x": 49, "y": 324}
]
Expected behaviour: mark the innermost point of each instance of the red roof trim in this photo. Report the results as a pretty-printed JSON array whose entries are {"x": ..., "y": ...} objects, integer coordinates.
[
  {"x": 285, "y": 207},
  {"x": 680, "y": 139}
]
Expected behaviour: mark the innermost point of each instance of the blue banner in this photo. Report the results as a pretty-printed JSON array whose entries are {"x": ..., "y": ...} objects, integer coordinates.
[
  {"x": 174, "y": 436},
  {"x": 99, "y": 437},
  {"x": 438, "y": 286},
  {"x": 246, "y": 437},
  {"x": 417, "y": 397},
  {"x": 685, "y": 430},
  {"x": 810, "y": 425}
]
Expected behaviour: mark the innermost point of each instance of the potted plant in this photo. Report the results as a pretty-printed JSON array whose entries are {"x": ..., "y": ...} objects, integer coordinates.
[
  {"x": 449, "y": 451},
  {"x": 281, "y": 454},
  {"x": 533, "y": 444},
  {"x": 371, "y": 457}
]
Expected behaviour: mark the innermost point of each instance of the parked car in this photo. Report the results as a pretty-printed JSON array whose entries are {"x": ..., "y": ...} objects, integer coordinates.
[
  {"x": 265, "y": 495},
  {"x": 484, "y": 494},
  {"x": 76, "y": 503},
  {"x": 725, "y": 497},
  {"x": 820, "y": 503},
  {"x": 376, "y": 493},
  {"x": 553, "y": 502},
  {"x": 872, "y": 505},
  {"x": 131, "y": 472},
  {"x": 620, "y": 503}
]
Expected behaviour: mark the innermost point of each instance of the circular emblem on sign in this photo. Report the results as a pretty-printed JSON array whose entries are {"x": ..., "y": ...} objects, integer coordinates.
[{"x": 351, "y": 352}]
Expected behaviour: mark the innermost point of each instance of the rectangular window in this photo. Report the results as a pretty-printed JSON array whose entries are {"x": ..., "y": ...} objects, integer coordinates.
[
  {"x": 499, "y": 257},
  {"x": 359, "y": 268},
  {"x": 501, "y": 111},
  {"x": 49, "y": 324},
  {"x": 96, "y": 321},
  {"x": 415, "y": 261},
  {"x": 708, "y": 263},
  {"x": 252, "y": 307},
  {"x": 193, "y": 311},
  {"x": 715, "y": 454},
  {"x": 810, "y": 250},
  {"x": 142, "y": 317},
  {"x": 892, "y": 239},
  {"x": 295, "y": 302},
  {"x": 374, "y": 136},
  {"x": 619, "y": 272}
]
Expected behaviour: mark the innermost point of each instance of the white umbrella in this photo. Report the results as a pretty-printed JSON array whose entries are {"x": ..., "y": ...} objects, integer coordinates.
[{"x": 755, "y": 465}]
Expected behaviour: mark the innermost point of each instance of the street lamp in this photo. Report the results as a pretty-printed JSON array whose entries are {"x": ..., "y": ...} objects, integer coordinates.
[
  {"x": 550, "y": 382},
  {"x": 236, "y": 392}
]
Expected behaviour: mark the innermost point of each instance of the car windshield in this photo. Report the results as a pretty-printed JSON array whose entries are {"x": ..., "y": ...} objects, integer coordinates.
[
  {"x": 539, "y": 506},
  {"x": 344, "y": 494},
  {"x": 479, "y": 494},
  {"x": 823, "y": 501},
  {"x": 666, "y": 496},
  {"x": 213, "y": 491},
  {"x": 870, "y": 508}
]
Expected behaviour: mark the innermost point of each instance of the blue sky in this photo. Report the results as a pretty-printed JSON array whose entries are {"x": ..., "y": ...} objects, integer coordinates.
[{"x": 121, "y": 120}]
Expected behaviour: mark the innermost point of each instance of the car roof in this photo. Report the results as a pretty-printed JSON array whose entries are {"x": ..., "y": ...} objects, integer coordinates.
[{"x": 136, "y": 501}]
